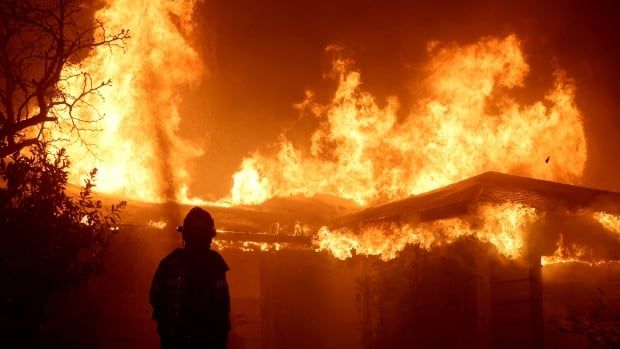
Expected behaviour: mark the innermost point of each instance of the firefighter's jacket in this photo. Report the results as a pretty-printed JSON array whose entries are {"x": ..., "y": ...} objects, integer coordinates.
[{"x": 189, "y": 295}]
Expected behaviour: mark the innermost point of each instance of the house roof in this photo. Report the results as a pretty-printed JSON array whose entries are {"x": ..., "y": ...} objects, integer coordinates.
[
  {"x": 489, "y": 187},
  {"x": 277, "y": 220}
]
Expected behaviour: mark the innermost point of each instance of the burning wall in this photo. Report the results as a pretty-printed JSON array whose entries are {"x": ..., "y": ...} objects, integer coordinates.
[{"x": 515, "y": 215}]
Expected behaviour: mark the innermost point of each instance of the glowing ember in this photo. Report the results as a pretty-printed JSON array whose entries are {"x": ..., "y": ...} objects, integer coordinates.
[
  {"x": 248, "y": 246},
  {"x": 466, "y": 124},
  {"x": 157, "y": 224},
  {"x": 138, "y": 151},
  {"x": 503, "y": 226}
]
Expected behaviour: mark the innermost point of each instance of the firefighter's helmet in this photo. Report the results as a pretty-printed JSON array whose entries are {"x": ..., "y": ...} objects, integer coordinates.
[{"x": 197, "y": 221}]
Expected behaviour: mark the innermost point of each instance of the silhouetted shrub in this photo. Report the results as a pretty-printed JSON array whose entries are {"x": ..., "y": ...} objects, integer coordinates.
[
  {"x": 601, "y": 327},
  {"x": 49, "y": 240}
]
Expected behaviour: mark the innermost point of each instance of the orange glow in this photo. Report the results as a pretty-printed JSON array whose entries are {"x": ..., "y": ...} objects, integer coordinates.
[
  {"x": 609, "y": 221},
  {"x": 575, "y": 253},
  {"x": 137, "y": 149},
  {"x": 157, "y": 224},
  {"x": 503, "y": 226},
  {"x": 466, "y": 124},
  {"x": 248, "y": 187},
  {"x": 248, "y": 246}
]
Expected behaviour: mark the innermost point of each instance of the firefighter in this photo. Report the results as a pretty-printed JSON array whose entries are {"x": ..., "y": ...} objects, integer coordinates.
[{"x": 189, "y": 292}]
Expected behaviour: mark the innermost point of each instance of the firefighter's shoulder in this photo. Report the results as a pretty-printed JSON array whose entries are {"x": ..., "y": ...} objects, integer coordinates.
[
  {"x": 173, "y": 259},
  {"x": 217, "y": 261}
]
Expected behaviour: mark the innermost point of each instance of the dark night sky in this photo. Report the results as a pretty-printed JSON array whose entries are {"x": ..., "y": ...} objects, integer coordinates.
[{"x": 262, "y": 55}]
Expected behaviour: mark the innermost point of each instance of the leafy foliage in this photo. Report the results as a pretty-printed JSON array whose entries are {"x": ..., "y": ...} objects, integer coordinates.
[
  {"x": 49, "y": 240},
  {"x": 412, "y": 301},
  {"x": 602, "y": 326}
]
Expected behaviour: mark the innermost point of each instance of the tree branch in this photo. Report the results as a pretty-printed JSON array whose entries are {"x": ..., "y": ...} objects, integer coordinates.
[
  {"x": 6, "y": 150},
  {"x": 14, "y": 128},
  {"x": 39, "y": 41}
]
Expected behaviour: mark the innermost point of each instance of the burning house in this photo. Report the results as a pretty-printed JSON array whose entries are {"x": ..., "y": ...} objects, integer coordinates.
[
  {"x": 493, "y": 261},
  {"x": 482, "y": 297},
  {"x": 505, "y": 299},
  {"x": 368, "y": 219}
]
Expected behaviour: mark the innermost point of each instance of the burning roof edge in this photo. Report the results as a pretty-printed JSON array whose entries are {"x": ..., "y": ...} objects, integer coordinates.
[{"x": 489, "y": 187}]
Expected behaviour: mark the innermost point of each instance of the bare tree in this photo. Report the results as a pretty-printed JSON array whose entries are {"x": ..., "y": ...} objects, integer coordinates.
[{"x": 41, "y": 45}]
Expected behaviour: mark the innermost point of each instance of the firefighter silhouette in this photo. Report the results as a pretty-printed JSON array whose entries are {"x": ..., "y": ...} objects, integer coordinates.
[{"x": 189, "y": 293}]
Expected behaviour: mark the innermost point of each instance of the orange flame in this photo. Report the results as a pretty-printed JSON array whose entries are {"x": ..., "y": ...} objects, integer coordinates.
[
  {"x": 572, "y": 253},
  {"x": 609, "y": 221},
  {"x": 503, "y": 226},
  {"x": 137, "y": 149},
  {"x": 467, "y": 124},
  {"x": 157, "y": 224},
  {"x": 576, "y": 253},
  {"x": 248, "y": 246}
]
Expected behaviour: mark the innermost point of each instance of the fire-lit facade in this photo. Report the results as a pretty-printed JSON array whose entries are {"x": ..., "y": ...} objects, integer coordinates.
[
  {"x": 287, "y": 292},
  {"x": 488, "y": 299}
]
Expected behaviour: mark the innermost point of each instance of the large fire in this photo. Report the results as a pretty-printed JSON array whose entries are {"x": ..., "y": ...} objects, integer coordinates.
[
  {"x": 135, "y": 145},
  {"x": 467, "y": 122},
  {"x": 503, "y": 226}
]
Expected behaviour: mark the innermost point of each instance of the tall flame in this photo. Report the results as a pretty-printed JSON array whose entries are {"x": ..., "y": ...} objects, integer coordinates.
[
  {"x": 136, "y": 148},
  {"x": 466, "y": 124}
]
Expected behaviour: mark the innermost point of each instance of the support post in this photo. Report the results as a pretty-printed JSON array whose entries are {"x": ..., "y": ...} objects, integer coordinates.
[
  {"x": 483, "y": 300},
  {"x": 536, "y": 301}
]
